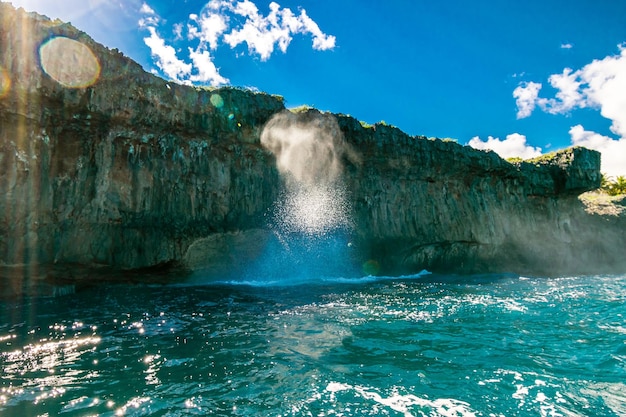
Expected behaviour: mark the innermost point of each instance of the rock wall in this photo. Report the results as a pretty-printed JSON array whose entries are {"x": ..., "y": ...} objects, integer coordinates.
[
  {"x": 434, "y": 204},
  {"x": 127, "y": 171},
  {"x": 130, "y": 171}
]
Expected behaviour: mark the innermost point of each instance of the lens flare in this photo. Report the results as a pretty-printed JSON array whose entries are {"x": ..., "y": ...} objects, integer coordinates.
[
  {"x": 371, "y": 267},
  {"x": 70, "y": 63},
  {"x": 5, "y": 82},
  {"x": 217, "y": 101}
]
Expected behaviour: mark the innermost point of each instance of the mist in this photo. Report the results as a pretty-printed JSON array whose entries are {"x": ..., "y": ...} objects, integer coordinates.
[
  {"x": 311, "y": 220},
  {"x": 309, "y": 148}
]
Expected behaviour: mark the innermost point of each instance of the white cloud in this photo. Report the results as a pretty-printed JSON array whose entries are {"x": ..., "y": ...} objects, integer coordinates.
[
  {"x": 248, "y": 9},
  {"x": 151, "y": 19},
  {"x": 568, "y": 95},
  {"x": 566, "y": 45},
  {"x": 146, "y": 9},
  {"x": 605, "y": 82},
  {"x": 321, "y": 41},
  {"x": 613, "y": 151},
  {"x": 600, "y": 84},
  {"x": 206, "y": 71},
  {"x": 259, "y": 33},
  {"x": 201, "y": 69},
  {"x": 167, "y": 60},
  {"x": 232, "y": 23},
  {"x": 513, "y": 146},
  {"x": 148, "y": 21},
  {"x": 207, "y": 28},
  {"x": 525, "y": 98},
  {"x": 178, "y": 31},
  {"x": 263, "y": 33}
]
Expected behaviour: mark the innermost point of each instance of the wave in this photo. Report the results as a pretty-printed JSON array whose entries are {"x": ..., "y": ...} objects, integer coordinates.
[
  {"x": 293, "y": 281},
  {"x": 402, "y": 404}
]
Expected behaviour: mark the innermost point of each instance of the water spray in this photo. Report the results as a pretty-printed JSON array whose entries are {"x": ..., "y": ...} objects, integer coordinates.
[
  {"x": 312, "y": 219},
  {"x": 309, "y": 148}
]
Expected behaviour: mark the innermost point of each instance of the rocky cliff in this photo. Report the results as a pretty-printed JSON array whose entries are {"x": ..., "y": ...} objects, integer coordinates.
[
  {"x": 102, "y": 163},
  {"x": 438, "y": 205}
]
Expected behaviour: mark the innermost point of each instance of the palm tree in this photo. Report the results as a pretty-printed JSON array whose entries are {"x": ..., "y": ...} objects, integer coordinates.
[
  {"x": 620, "y": 185},
  {"x": 605, "y": 182},
  {"x": 612, "y": 186}
]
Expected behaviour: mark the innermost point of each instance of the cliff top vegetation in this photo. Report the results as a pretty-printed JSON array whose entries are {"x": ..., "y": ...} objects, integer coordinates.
[{"x": 613, "y": 186}]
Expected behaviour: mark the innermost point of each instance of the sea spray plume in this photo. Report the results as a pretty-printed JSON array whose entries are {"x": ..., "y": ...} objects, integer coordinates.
[
  {"x": 309, "y": 148},
  {"x": 313, "y": 211},
  {"x": 312, "y": 219}
]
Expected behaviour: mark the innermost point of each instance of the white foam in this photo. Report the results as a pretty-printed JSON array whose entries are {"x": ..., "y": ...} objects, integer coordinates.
[
  {"x": 292, "y": 281},
  {"x": 402, "y": 403},
  {"x": 612, "y": 394}
]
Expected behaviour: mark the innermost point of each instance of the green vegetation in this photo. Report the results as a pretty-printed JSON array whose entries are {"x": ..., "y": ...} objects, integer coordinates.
[
  {"x": 613, "y": 186},
  {"x": 301, "y": 109},
  {"x": 208, "y": 88},
  {"x": 542, "y": 159},
  {"x": 385, "y": 124},
  {"x": 514, "y": 160},
  {"x": 278, "y": 97}
]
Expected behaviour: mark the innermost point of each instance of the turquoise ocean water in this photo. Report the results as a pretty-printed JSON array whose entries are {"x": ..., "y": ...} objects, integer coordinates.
[{"x": 425, "y": 345}]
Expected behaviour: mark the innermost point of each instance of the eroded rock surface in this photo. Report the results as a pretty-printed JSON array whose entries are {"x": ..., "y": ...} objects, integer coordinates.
[{"x": 130, "y": 171}]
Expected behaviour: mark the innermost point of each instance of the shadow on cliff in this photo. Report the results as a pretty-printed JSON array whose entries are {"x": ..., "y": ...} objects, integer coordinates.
[{"x": 51, "y": 281}]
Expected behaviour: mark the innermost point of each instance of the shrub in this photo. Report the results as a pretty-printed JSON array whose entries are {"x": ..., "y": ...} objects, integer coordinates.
[{"x": 613, "y": 186}]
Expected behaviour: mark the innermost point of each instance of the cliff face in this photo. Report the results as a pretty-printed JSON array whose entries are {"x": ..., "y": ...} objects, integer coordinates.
[
  {"x": 114, "y": 166},
  {"x": 127, "y": 171},
  {"x": 432, "y": 204}
]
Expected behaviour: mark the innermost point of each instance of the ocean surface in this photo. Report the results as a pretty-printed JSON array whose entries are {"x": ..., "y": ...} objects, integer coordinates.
[{"x": 424, "y": 345}]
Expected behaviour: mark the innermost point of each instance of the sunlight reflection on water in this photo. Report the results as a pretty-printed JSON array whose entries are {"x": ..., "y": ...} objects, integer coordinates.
[{"x": 418, "y": 346}]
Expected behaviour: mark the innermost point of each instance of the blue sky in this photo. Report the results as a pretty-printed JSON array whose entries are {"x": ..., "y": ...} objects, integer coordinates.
[{"x": 521, "y": 78}]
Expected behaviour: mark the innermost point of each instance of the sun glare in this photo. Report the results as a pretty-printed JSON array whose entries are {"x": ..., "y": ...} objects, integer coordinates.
[
  {"x": 5, "y": 82},
  {"x": 70, "y": 63}
]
